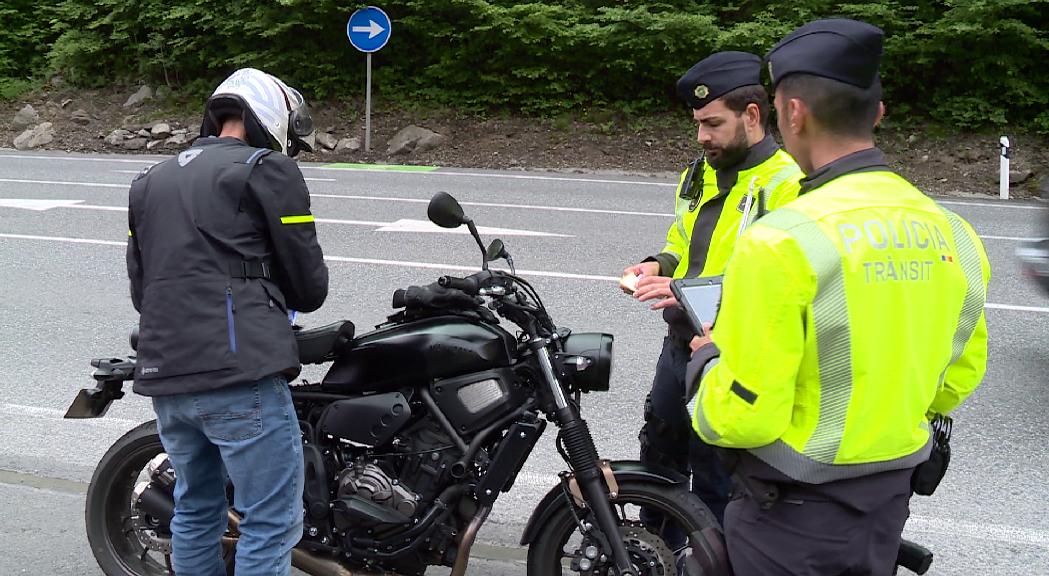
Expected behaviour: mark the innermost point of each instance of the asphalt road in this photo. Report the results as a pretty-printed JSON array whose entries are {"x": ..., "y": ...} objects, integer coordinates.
[{"x": 63, "y": 278}]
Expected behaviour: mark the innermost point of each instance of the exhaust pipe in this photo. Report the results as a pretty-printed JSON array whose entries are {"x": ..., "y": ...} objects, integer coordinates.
[
  {"x": 309, "y": 562},
  {"x": 469, "y": 535}
]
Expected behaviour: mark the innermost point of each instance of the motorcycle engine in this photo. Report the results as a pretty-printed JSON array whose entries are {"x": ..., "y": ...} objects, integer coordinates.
[
  {"x": 370, "y": 482},
  {"x": 405, "y": 479}
]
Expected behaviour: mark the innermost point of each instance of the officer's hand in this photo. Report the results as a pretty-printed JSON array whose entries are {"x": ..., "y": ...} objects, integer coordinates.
[
  {"x": 643, "y": 269},
  {"x": 655, "y": 288},
  {"x": 701, "y": 341}
]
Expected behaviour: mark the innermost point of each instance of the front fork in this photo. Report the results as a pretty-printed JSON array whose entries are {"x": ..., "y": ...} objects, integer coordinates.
[{"x": 583, "y": 459}]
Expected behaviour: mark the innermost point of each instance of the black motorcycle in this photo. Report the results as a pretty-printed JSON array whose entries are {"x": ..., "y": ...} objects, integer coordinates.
[{"x": 412, "y": 435}]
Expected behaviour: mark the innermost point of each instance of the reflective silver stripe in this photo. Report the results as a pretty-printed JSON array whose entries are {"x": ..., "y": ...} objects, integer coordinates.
[
  {"x": 780, "y": 177},
  {"x": 804, "y": 469},
  {"x": 701, "y": 419},
  {"x": 976, "y": 293},
  {"x": 833, "y": 337},
  {"x": 680, "y": 210}
]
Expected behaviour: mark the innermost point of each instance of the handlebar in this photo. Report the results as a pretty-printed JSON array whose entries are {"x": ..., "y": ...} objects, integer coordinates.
[{"x": 472, "y": 284}]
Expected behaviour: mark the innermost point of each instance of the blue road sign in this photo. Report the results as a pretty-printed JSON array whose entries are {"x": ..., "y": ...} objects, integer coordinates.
[{"x": 368, "y": 29}]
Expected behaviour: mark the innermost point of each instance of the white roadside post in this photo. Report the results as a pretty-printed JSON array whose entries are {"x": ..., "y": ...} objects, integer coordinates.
[
  {"x": 368, "y": 30},
  {"x": 1003, "y": 177}
]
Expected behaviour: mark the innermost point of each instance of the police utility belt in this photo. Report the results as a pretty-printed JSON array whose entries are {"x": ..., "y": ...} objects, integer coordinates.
[{"x": 924, "y": 480}]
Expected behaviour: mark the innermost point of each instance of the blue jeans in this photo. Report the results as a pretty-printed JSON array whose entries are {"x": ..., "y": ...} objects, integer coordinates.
[{"x": 250, "y": 432}]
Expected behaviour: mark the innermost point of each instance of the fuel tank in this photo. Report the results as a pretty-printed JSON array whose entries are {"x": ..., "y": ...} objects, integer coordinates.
[{"x": 415, "y": 353}]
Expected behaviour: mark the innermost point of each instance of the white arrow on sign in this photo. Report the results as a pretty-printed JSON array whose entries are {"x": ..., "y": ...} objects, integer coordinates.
[
  {"x": 36, "y": 204},
  {"x": 403, "y": 225},
  {"x": 373, "y": 29}
]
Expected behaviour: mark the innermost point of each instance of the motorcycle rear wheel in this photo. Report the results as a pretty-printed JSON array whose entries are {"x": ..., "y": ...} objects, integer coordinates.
[
  {"x": 559, "y": 543},
  {"x": 111, "y": 533}
]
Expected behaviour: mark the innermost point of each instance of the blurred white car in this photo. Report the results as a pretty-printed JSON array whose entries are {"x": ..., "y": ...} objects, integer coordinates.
[{"x": 1034, "y": 261}]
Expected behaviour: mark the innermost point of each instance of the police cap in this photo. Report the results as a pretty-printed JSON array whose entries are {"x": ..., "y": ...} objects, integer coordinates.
[
  {"x": 845, "y": 50},
  {"x": 717, "y": 75}
]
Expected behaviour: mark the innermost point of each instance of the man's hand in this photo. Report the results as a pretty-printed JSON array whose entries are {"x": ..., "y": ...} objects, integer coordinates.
[
  {"x": 701, "y": 341},
  {"x": 656, "y": 287},
  {"x": 643, "y": 269}
]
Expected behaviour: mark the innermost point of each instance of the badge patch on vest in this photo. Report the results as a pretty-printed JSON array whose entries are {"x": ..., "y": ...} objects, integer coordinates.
[
  {"x": 188, "y": 156},
  {"x": 742, "y": 204}
]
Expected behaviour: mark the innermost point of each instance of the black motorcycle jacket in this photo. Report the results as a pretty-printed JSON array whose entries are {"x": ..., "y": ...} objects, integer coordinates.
[{"x": 221, "y": 243}]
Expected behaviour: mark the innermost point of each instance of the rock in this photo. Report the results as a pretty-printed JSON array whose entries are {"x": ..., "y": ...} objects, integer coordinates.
[
  {"x": 25, "y": 118},
  {"x": 135, "y": 143},
  {"x": 163, "y": 92},
  {"x": 80, "y": 117},
  {"x": 160, "y": 131},
  {"x": 348, "y": 145},
  {"x": 912, "y": 139},
  {"x": 144, "y": 93},
  {"x": 414, "y": 139},
  {"x": 326, "y": 141},
  {"x": 153, "y": 144},
  {"x": 65, "y": 103},
  {"x": 925, "y": 157},
  {"x": 117, "y": 137},
  {"x": 179, "y": 131},
  {"x": 35, "y": 137},
  {"x": 1017, "y": 177},
  {"x": 57, "y": 81},
  {"x": 970, "y": 155},
  {"x": 177, "y": 139},
  {"x": 144, "y": 133}
]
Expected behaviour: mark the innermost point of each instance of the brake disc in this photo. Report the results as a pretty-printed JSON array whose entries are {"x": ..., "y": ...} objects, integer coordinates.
[{"x": 648, "y": 552}]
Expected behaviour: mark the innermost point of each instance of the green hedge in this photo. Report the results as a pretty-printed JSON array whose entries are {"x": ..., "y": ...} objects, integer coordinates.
[{"x": 969, "y": 63}]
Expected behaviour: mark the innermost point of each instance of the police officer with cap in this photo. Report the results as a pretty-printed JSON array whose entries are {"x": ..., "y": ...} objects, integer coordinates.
[
  {"x": 848, "y": 319},
  {"x": 742, "y": 171},
  {"x": 221, "y": 245}
]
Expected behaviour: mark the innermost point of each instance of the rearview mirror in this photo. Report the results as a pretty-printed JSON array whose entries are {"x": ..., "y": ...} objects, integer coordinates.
[
  {"x": 445, "y": 211},
  {"x": 495, "y": 251}
]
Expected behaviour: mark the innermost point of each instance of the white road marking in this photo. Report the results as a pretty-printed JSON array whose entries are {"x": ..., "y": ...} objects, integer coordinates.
[
  {"x": 38, "y": 412},
  {"x": 496, "y": 205},
  {"x": 64, "y": 183},
  {"x": 306, "y": 179},
  {"x": 36, "y": 204},
  {"x": 402, "y": 225},
  {"x": 1007, "y": 238},
  {"x": 991, "y": 204},
  {"x": 1016, "y": 308},
  {"x": 498, "y": 176},
  {"x": 79, "y": 159},
  {"x": 438, "y": 266},
  {"x": 62, "y": 239}
]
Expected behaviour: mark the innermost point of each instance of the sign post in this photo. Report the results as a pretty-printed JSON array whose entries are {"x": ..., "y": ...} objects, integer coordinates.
[
  {"x": 1003, "y": 168},
  {"x": 368, "y": 30}
]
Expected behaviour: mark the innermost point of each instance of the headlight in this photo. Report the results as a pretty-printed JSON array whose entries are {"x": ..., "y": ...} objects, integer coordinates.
[{"x": 586, "y": 362}]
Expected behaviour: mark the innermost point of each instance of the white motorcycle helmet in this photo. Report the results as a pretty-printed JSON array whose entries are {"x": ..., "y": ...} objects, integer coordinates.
[{"x": 275, "y": 115}]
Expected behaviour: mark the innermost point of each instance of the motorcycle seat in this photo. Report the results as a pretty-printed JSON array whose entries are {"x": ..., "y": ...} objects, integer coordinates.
[
  {"x": 321, "y": 344},
  {"x": 316, "y": 345}
]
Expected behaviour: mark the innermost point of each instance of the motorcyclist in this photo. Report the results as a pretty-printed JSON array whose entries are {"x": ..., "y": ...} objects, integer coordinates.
[{"x": 221, "y": 244}]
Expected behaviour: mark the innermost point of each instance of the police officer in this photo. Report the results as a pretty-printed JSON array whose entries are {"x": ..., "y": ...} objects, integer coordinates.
[
  {"x": 743, "y": 164},
  {"x": 847, "y": 318},
  {"x": 221, "y": 245}
]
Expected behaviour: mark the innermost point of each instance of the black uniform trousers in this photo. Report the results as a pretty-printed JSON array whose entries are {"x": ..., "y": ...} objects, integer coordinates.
[
  {"x": 667, "y": 437},
  {"x": 808, "y": 534}
]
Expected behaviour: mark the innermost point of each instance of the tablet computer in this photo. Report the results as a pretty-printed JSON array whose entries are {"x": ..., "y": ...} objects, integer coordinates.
[{"x": 701, "y": 298}]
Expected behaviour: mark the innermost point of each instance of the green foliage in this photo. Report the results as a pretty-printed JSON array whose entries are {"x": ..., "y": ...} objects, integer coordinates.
[
  {"x": 967, "y": 63},
  {"x": 24, "y": 37}
]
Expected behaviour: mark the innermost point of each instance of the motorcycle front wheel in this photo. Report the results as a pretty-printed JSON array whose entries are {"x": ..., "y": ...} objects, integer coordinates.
[
  {"x": 126, "y": 542},
  {"x": 658, "y": 540}
]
